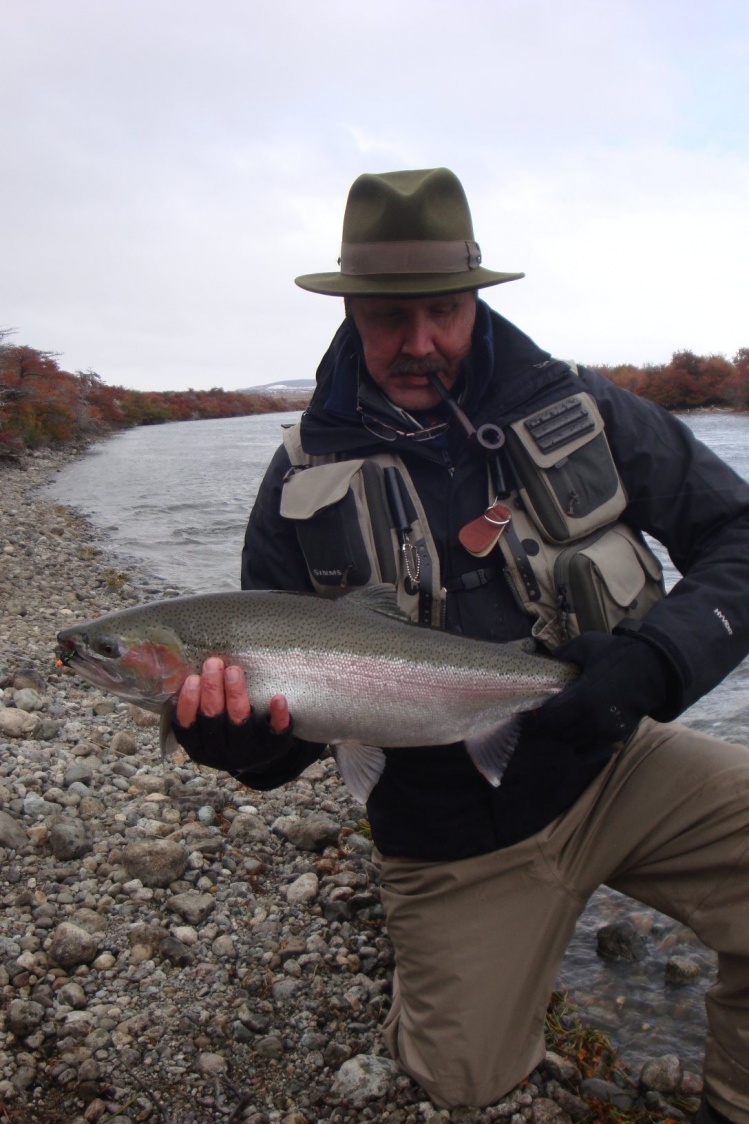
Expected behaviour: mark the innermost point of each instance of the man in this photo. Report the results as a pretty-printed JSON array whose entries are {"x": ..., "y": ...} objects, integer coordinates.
[{"x": 503, "y": 493}]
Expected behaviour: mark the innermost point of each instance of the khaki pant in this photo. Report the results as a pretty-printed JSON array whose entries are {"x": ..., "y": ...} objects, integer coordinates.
[{"x": 478, "y": 942}]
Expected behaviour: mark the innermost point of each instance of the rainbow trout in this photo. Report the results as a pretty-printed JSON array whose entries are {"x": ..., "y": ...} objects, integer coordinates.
[{"x": 358, "y": 675}]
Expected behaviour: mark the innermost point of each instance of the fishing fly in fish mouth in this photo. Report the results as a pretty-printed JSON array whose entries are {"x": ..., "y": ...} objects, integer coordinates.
[{"x": 406, "y": 686}]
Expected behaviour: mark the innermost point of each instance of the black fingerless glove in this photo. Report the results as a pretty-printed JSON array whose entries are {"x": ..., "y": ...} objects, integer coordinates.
[
  {"x": 237, "y": 747},
  {"x": 622, "y": 679}
]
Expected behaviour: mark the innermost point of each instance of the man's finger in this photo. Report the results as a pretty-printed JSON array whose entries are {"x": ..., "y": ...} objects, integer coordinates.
[
  {"x": 279, "y": 714},
  {"x": 237, "y": 701},
  {"x": 188, "y": 701},
  {"x": 212, "y": 687}
]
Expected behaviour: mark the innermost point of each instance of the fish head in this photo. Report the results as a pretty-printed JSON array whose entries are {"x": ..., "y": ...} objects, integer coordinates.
[{"x": 145, "y": 664}]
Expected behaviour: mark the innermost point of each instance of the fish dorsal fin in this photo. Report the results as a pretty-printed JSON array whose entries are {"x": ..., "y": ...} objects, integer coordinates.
[{"x": 378, "y": 599}]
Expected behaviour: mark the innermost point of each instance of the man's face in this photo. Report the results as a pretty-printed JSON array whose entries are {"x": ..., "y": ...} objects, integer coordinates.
[{"x": 404, "y": 338}]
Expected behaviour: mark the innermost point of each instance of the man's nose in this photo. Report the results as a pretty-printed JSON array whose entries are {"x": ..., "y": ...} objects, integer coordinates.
[{"x": 418, "y": 340}]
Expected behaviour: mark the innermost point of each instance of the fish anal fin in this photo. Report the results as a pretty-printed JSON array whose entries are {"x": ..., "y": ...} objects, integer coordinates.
[
  {"x": 492, "y": 750},
  {"x": 360, "y": 767}
]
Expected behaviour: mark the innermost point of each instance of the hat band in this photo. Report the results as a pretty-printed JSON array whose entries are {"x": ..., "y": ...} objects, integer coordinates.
[{"x": 418, "y": 256}]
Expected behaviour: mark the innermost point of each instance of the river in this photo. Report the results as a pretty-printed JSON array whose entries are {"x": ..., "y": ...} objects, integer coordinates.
[{"x": 174, "y": 499}]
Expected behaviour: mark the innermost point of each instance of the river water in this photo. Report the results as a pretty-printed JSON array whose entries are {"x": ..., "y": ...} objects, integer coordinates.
[{"x": 174, "y": 499}]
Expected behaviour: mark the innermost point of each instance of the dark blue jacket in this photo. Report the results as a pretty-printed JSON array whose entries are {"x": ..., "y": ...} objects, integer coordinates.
[{"x": 430, "y": 803}]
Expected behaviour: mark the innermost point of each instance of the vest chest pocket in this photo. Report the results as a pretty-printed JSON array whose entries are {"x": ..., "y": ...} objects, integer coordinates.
[
  {"x": 349, "y": 533},
  {"x": 567, "y": 477},
  {"x": 343, "y": 543}
]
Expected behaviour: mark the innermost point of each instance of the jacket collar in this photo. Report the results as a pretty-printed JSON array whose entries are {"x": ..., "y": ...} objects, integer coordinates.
[{"x": 349, "y": 413}]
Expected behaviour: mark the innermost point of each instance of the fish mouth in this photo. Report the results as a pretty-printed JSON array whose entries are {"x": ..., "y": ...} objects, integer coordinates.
[
  {"x": 90, "y": 668},
  {"x": 100, "y": 672},
  {"x": 98, "y": 675}
]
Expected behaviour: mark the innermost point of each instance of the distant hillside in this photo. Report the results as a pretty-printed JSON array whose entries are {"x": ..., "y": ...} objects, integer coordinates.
[{"x": 283, "y": 386}]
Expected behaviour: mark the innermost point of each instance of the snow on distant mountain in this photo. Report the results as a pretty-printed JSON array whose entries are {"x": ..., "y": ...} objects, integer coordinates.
[{"x": 286, "y": 386}]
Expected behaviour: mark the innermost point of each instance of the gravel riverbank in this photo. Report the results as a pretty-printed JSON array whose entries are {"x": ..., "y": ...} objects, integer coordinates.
[{"x": 174, "y": 947}]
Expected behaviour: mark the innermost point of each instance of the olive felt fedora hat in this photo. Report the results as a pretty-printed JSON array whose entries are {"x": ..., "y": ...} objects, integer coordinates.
[{"x": 406, "y": 234}]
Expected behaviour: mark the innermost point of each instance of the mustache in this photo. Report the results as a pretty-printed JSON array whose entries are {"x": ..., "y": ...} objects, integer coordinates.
[{"x": 420, "y": 367}]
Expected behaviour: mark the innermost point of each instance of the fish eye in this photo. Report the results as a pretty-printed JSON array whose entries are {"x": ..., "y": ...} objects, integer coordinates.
[{"x": 108, "y": 647}]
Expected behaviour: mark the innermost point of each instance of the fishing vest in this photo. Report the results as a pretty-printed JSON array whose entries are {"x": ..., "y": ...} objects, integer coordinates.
[{"x": 570, "y": 563}]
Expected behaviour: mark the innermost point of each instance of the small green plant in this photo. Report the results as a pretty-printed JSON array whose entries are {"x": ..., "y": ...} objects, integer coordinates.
[
  {"x": 590, "y": 1049},
  {"x": 114, "y": 579},
  {"x": 568, "y": 1035}
]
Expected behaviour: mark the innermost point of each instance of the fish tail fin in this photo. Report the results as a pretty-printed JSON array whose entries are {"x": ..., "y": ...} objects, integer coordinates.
[
  {"x": 360, "y": 766},
  {"x": 492, "y": 750}
]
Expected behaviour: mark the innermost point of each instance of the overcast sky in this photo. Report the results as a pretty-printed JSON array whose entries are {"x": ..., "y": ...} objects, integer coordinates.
[{"x": 169, "y": 167}]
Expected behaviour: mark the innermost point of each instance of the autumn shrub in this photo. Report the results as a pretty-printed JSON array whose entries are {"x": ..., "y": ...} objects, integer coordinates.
[
  {"x": 42, "y": 405},
  {"x": 689, "y": 381}
]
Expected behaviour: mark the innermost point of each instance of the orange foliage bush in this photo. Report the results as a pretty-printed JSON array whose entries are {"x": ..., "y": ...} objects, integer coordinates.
[
  {"x": 689, "y": 381},
  {"x": 40, "y": 404}
]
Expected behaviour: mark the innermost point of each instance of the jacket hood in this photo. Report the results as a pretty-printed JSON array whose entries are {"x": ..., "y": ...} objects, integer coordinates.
[{"x": 348, "y": 412}]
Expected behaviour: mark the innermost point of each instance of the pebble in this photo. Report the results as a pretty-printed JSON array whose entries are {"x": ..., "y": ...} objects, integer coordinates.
[
  {"x": 211, "y": 1065},
  {"x": 156, "y": 862},
  {"x": 12, "y": 834},
  {"x": 24, "y": 1016},
  {"x": 71, "y": 945},
  {"x": 663, "y": 1075},
  {"x": 364, "y": 1077},
  {"x": 621, "y": 941},
  {"x": 69, "y": 839},
  {"x": 193, "y": 907},
  {"x": 27, "y": 699},
  {"x": 608, "y": 1093},
  {"x": 17, "y": 723},
  {"x": 248, "y": 828},
  {"x": 562, "y": 1069},
  {"x": 681, "y": 969},
  {"x": 303, "y": 889},
  {"x": 163, "y": 926},
  {"x": 547, "y": 1111},
  {"x": 309, "y": 833}
]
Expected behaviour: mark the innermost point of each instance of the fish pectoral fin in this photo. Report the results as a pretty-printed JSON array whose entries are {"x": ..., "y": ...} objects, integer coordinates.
[
  {"x": 167, "y": 740},
  {"x": 492, "y": 750},
  {"x": 360, "y": 766}
]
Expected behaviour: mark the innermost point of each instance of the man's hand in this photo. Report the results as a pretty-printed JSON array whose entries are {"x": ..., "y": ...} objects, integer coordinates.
[
  {"x": 220, "y": 688},
  {"x": 621, "y": 680},
  {"x": 216, "y": 724}
]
